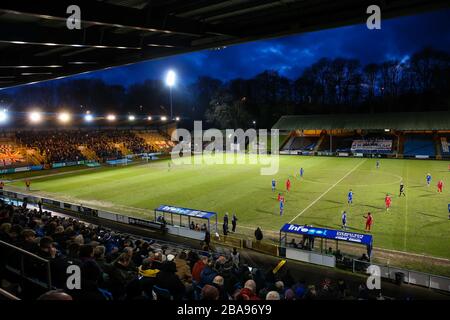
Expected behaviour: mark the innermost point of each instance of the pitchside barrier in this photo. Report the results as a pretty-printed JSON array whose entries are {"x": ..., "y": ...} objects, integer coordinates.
[
  {"x": 53, "y": 166},
  {"x": 171, "y": 226},
  {"x": 406, "y": 276}
]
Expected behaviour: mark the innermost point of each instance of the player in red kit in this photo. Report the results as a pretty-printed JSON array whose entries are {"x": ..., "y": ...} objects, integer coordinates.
[
  {"x": 387, "y": 202},
  {"x": 288, "y": 185},
  {"x": 369, "y": 221},
  {"x": 440, "y": 185}
]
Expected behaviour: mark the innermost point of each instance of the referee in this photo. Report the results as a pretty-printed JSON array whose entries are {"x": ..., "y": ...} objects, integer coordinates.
[{"x": 402, "y": 190}]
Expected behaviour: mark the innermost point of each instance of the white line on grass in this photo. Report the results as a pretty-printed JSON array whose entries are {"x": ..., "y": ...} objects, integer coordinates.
[
  {"x": 406, "y": 208},
  {"x": 328, "y": 190}
]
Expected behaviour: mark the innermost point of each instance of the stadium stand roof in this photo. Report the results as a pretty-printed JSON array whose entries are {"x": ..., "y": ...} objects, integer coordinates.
[
  {"x": 36, "y": 45},
  {"x": 421, "y": 121}
]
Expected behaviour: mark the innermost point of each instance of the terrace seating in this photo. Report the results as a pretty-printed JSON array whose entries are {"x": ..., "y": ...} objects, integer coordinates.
[
  {"x": 10, "y": 155},
  {"x": 156, "y": 140},
  {"x": 301, "y": 143},
  {"x": 338, "y": 144},
  {"x": 74, "y": 145},
  {"x": 419, "y": 145}
]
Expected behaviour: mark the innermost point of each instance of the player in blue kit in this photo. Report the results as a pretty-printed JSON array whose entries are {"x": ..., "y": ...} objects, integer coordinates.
[
  {"x": 301, "y": 172},
  {"x": 344, "y": 220},
  {"x": 274, "y": 184},
  {"x": 350, "y": 197},
  {"x": 428, "y": 179},
  {"x": 281, "y": 207}
]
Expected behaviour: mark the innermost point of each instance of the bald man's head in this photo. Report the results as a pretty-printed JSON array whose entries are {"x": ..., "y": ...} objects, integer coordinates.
[{"x": 55, "y": 295}]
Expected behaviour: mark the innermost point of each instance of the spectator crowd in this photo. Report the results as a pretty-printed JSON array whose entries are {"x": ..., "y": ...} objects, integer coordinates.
[
  {"x": 116, "y": 266},
  {"x": 64, "y": 145}
]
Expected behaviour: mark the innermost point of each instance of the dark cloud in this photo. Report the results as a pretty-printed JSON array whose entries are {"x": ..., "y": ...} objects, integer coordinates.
[{"x": 397, "y": 39}]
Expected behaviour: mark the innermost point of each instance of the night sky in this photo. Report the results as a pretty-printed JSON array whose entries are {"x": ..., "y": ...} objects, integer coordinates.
[{"x": 398, "y": 39}]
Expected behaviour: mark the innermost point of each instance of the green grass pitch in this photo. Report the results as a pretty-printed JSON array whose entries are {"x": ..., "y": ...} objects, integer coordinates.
[{"x": 416, "y": 223}]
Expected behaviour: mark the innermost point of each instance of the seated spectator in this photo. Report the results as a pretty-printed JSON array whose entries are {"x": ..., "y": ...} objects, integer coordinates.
[
  {"x": 46, "y": 249},
  {"x": 119, "y": 275},
  {"x": 167, "y": 279},
  {"x": 273, "y": 295},
  {"x": 218, "y": 282},
  {"x": 183, "y": 270},
  {"x": 210, "y": 293},
  {"x": 248, "y": 292},
  {"x": 198, "y": 268},
  {"x": 147, "y": 277},
  {"x": 289, "y": 295},
  {"x": 54, "y": 295},
  {"x": 208, "y": 273},
  {"x": 28, "y": 241},
  {"x": 292, "y": 244}
]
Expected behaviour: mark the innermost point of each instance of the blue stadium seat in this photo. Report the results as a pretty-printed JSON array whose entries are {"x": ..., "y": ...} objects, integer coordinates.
[
  {"x": 416, "y": 145},
  {"x": 162, "y": 294}
]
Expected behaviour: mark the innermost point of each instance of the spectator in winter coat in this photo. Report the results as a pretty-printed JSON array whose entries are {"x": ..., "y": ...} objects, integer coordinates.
[
  {"x": 207, "y": 275},
  {"x": 167, "y": 279},
  {"x": 198, "y": 268},
  {"x": 248, "y": 292},
  {"x": 183, "y": 270}
]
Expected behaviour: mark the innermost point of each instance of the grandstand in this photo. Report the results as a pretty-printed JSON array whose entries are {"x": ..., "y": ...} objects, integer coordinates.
[
  {"x": 44, "y": 147},
  {"x": 406, "y": 135},
  {"x": 128, "y": 229}
]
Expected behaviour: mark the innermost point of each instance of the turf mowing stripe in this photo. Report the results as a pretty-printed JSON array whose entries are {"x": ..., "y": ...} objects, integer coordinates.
[
  {"x": 328, "y": 190},
  {"x": 406, "y": 209}
]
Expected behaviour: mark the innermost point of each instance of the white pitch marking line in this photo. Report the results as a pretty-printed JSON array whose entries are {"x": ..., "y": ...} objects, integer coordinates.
[{"x": 328, "y": 190}]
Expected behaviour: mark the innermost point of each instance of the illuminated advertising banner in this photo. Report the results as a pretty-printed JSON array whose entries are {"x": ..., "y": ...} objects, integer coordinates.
[
  {"x": 331, "y": 234},
  {"x": 186, "y": 212}
]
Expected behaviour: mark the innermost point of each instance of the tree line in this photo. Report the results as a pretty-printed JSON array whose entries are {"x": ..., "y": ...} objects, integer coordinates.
[{"x": 338, "y": 85}]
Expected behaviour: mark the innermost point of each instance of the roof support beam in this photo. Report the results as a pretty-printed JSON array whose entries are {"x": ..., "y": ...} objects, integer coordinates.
[{"x": 101, "y": 13}]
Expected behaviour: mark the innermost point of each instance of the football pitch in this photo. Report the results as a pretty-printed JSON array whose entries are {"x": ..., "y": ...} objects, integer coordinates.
[{"x": 417, "y": 223}]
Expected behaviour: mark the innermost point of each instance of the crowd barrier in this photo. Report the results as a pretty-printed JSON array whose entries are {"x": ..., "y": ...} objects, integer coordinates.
[
  {"x": 81, "y": 211},
  {"x": 40, "y": 167},
  {"x": 123, "y": 161},
  {"x": 407, "y": 276}
]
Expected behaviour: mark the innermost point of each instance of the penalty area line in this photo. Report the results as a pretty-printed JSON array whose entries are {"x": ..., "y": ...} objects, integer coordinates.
[{"x": 328, "y": 190}]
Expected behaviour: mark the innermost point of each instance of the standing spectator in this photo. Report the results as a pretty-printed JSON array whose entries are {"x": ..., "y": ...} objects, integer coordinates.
[
  {"x": 235, "y": 258},
  {"x": 233, "y": 222},
  {"x": 225, "y": 224},
  {"x": 258, "y": 234},
  {"x": 207, "y": 238}
]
